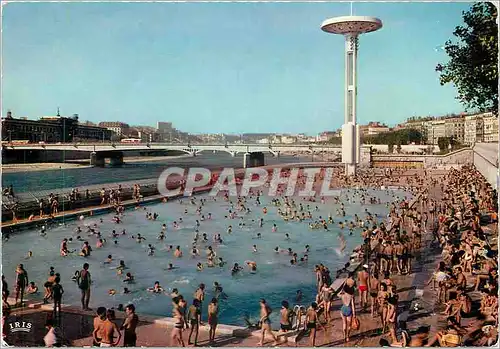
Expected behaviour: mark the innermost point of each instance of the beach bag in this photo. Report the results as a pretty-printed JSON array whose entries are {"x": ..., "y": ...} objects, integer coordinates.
[{"x": 355, "y": 323}]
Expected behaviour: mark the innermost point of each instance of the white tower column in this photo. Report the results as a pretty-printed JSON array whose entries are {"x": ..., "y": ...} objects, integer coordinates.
[
  {"x": 351, "y": 53},
  {"x": 351, "y": 27}
]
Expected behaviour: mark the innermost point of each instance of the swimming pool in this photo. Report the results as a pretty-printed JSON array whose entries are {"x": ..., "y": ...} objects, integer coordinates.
[{"x": 275, "y": 279}]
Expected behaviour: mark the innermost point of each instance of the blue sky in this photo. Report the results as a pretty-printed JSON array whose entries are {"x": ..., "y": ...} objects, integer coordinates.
[{"x": 222, "y": 67}]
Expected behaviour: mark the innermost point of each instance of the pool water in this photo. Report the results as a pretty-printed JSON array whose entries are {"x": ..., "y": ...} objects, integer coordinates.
[{"x": 275, "y": 280}]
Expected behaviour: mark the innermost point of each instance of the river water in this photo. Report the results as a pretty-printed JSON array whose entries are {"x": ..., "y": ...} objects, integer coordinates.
[{"x": 30, "y": 181}]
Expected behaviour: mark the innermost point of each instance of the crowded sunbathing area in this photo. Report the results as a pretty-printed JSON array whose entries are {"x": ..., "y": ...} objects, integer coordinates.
[{"x": 401, "y": 258}]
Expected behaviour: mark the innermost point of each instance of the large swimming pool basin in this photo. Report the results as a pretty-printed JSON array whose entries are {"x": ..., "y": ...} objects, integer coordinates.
[{"x": 275, "y": 279}]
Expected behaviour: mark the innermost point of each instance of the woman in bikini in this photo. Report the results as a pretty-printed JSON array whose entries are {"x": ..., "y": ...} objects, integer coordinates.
[
  {"x": 347, "y": 311},
  {"x": 383, "y": 295}
]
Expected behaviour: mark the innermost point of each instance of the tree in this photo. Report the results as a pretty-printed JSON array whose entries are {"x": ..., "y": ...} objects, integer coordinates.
[
  {"x": 473, "y": 64},
  {"x": 443, "y": 143},
  {"x": 390, "y": 146}
]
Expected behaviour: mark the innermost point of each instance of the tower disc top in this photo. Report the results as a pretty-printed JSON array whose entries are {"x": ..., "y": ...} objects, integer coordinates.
[{"x": 351, "y": 24}]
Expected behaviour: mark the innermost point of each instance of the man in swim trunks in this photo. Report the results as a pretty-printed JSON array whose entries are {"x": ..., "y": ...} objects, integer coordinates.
[
  {"x": 200, "y": 296},
  {"x": 108, "y": 329},
  {"x": 285, "y": 316},
  {"x": 101, "y": 316},
  {"x": 129, "y": 325},
  {"x": 363, "y": 286},
  {"x": 265, "y": 311}
]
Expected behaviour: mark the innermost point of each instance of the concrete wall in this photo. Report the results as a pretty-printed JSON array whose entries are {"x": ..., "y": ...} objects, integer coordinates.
[
  {"x": 459, "y": 157},
  {"x": 485, "y": 158},
  {"x": 384, "y": 148},
  {"x": 34, "y": 156}
]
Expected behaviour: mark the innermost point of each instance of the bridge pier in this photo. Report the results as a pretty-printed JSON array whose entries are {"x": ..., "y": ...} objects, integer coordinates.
[
  {"x": 246, "y": 157},
  {"x": 96, "y": 160},
  {"x": 253, "y": 159},
  {"x": 116, "y": 159}
]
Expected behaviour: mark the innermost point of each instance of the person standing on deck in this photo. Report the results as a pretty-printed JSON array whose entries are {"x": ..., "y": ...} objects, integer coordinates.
[
  {"x": 363, "y": 277},
  {"x": 21, "y": 282},
  {"x": 129, "y": 326},
  {"x": 84, "y": 283}
]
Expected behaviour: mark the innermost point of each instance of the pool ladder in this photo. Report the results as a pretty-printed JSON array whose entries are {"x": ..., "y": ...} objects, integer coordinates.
[{"x": 299, "y": 312}]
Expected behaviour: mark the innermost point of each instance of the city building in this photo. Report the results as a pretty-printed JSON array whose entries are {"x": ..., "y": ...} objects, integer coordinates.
[
  {"x": 490, "y": 128},
  {"x": 438, "y": 130},
  {"x": 474, "y": 129},
  {"x": 119, "y": 128},
  {"x": 454, "y": 128},
  {"x": 163, "y": 126},
  {"x": 51, "y": 129},
  {"x": 327, "y": 135},
  {"x": 373, "y": 128}
]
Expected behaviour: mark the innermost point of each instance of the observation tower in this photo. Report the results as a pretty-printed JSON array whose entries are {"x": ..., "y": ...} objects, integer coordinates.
[{"x": 351, "y": 27}]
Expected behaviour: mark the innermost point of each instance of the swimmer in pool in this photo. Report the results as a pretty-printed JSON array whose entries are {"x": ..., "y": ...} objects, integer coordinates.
[
  {"x": 236, "y": 268},
  {"x": 287, "y": 237},
  {"x": 29, "y": 255},
  {"x": 32, "y": 288},
  {"x": 151, "y": 249},
  {"x": 252, "y": 265},
  {"x": 112, "y": 292},
  {"x": 64, "y": 248},
  {"x": 221, "y": 262},
  {"x": 109, "y": 259},
  {"x": 178, "y": 252},
  {"x": 230, "y": 229},
  {"x": 254, "y": 248},
  {"x": 126, "y": 290},
  {"x": 129, "y": 278},
  {"x": 199, "y": 266},
  {"x": 275, "y": 228},
  {"x": 156, "y": 288},
  {"x": 121, "y": 267}
]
